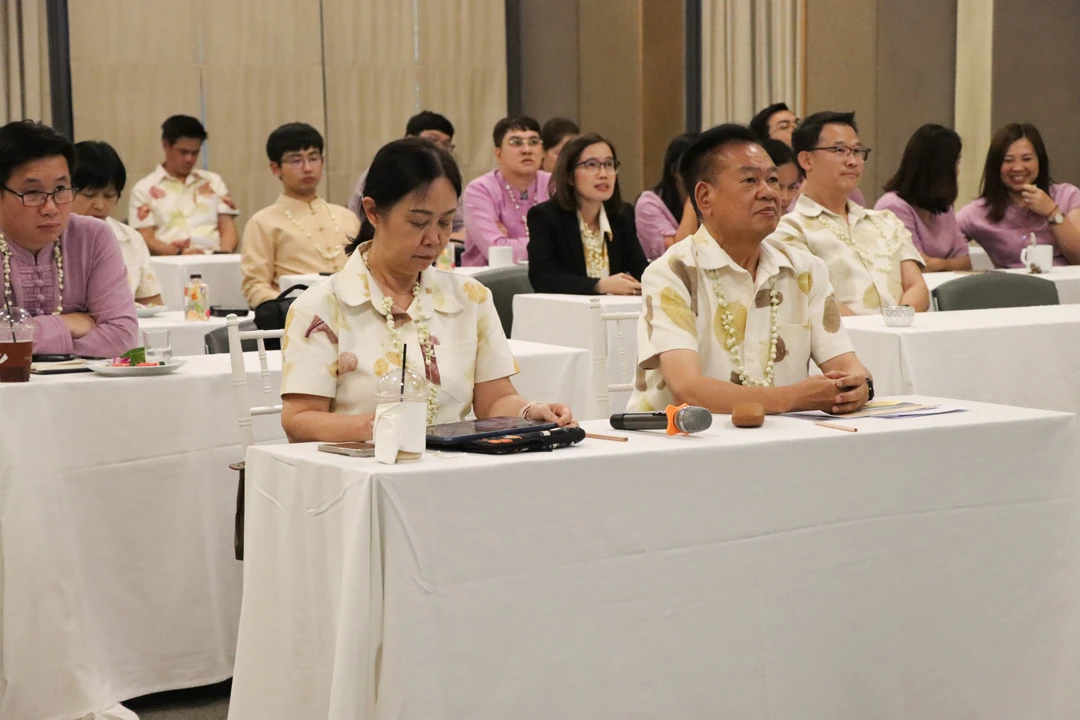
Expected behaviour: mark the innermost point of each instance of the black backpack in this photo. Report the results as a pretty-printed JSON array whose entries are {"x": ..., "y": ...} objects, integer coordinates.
[{"x": 271, "y": 314}]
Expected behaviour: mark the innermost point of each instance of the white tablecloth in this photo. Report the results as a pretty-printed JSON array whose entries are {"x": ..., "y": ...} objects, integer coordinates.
[
  {"x": 979, "y": 259},
  {"x": 220, "y": 272},
  {"x": 1066, "y": 278},
  {"x": 787, "y": 572},
  {"x": 1013, "y": 356},
  {"x": 116, "y": 516},
  {"x": 187, "y": 337},
  {"x": 565, "y": 320}
]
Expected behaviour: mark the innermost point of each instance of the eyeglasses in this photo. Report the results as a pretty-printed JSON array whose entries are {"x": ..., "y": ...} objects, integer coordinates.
[
  {"x": 844, "y": 152},
  {"x": 594, "y": 165},
  {"x": 517, "y": 142},
  {"x": 38, "y": 198},
  {"x": 297, "y": 161}
]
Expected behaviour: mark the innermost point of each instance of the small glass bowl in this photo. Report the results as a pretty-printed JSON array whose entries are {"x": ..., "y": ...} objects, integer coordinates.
[{"x": 899, "y": 315}]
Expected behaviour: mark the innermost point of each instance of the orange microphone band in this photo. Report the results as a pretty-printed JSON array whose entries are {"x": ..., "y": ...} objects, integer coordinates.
[{"x": 672, "y": 429}]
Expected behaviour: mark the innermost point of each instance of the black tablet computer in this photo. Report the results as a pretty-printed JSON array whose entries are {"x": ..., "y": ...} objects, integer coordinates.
[{"x": 453, "y": 434}]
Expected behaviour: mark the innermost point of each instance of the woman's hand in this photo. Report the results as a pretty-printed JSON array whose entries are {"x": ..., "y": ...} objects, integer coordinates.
[
  {"x": 621, "y": 284},
  {"x": 1037, "y": 201},
  {"x": 551, "y": 412}
]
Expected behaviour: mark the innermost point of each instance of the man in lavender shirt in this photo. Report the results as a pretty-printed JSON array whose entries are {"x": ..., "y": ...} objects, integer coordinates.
[
  {"x": 66, "y": 271},
  {"x": 496, "y": 203}
]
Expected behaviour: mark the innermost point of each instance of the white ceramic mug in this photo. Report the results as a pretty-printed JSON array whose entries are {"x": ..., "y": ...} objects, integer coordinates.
[
  {"x": 1039, "y": 256},
  {"x": 500, "y": 256},
  {"x": 399, "y": 427}
]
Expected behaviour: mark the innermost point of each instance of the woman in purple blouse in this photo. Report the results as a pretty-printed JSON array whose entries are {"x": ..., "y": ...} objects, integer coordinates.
[
  {"x": 66, "y": 271},
  {"x": 1019, "y": 198},
  {"x": 664, "y": 215},
  {"x": 922, "y": 193}
]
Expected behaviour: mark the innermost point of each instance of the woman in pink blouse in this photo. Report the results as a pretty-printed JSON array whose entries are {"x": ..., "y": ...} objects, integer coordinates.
[
  {"x": 1018, "y": 198},
  {"x": 922, "y": 193},
  {"x": 664, "y": 215}
]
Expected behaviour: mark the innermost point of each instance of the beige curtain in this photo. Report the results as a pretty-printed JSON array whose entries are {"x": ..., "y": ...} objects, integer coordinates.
[
  {"x": 246, "y": 66},
  {"x": 24, "y": 61},
  {"x": 751, "y": 57}
]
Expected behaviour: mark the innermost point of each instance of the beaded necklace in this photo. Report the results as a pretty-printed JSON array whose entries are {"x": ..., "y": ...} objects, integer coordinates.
[
  {"x": 328, "y": 254},
  {"x": 9, "y": 292}
]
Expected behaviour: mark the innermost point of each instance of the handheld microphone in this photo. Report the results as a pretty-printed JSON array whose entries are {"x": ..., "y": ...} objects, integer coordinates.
[{"x": 684, "y": 419}]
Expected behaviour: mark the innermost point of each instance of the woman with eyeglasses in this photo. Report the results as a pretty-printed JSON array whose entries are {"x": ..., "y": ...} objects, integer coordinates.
[
  {"x": 1019, "y": 198},
  {"x": 583, "y": 240},
  {"x": 922, "y": 193},
  {"x": 65, "y": 270}
]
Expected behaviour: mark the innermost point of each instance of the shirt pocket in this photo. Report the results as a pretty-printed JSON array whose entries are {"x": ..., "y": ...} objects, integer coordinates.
[
  {"x": 792, "y": 353},
  {"x": 456, "y": 363}
]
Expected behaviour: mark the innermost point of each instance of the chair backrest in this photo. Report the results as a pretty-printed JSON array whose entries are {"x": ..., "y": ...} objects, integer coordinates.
[
  {"x": 245, "y": 411},
  {"x": 598, "y": 347},
  {"x": 217, "y": 340},
  {"x": 994, "y": 290},
  {"x": 504, "y": 283}
]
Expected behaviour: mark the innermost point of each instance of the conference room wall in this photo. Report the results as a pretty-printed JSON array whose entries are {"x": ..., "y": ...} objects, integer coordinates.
[
  {"x": 1036, "y": 72},
  {"x": 893, "y": 63},
  {"x": 247, "y": 66},
  {"x": 549, "y": 47}
]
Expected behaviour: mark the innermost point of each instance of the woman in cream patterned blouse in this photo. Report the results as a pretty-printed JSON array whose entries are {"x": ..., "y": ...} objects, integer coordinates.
[{"x": 347, "y": 331}]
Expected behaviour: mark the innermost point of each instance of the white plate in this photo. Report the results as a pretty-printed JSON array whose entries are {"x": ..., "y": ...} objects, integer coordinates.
[
  {"x": 105, "y": 367},
  {"x": 145, "y": 311}
]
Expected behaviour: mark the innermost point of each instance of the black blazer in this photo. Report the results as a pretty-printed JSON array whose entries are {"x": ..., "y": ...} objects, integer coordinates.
[{"x": 557, "y": 255}]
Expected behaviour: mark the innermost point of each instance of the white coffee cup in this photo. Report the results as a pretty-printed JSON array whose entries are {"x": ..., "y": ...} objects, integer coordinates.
[
  {"x": 1041, "y": 257},
  {"x": 400, "y": 427},
  {"x": 500, "y": 256}
]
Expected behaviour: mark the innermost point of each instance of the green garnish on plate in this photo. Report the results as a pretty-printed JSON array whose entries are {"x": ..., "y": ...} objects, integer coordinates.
[{"x": 135, "y": 355}]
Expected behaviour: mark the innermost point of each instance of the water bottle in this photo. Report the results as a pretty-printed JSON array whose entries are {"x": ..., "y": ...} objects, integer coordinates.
[{"x": 196, "y": 299}]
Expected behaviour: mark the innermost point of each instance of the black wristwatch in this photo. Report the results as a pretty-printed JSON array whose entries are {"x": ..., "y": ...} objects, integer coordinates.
[{"x": 870, "y": 387}]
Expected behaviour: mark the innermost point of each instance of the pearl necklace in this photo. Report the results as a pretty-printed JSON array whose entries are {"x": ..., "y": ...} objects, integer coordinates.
[
  {"x": 330, "y": 254},
  {"x": 422, "y": 335},
  {"x": 874, "y": 260},
  {"x": 727, "y": 322},
  {"x": 596, "y": 258},
  {"x": 9, "y": 292},
  {"x": 517, "y": 205}
]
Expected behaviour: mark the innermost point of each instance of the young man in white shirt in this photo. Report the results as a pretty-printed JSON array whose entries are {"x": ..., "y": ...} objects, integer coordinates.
[
  {"x": 300, "y": 233},
  {"x": 733, "y": 317},
  {"x": 871, "y": 258},
  {"x": 179, "y": 209},
  {"x": 100, "y": 177}
]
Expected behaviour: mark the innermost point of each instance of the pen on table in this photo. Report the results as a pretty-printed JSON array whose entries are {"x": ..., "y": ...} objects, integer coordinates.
[
  {"x": 834, "y": 426},
  {"x": 613, "y": 438}
]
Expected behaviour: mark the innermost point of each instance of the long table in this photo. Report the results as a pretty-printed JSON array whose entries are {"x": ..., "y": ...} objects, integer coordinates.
[
  {"x": 1065, "y": 277},
  {"x": 1014, "y": 356},
  {"x": 221, "y": 273},
  {"x": 188, "y": 337},
  {"x": 920, "y": 568}
]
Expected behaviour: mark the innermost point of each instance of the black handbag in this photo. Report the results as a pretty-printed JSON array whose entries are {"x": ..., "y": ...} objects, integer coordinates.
[{"x": 271, "y": 314}]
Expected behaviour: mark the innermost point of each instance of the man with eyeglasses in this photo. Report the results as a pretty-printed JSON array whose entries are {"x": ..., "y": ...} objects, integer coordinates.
[
  {"x": 430, "y": 126},
  {"x": 497, "y": 203},
  {"x": 300, "y": 233},
  {"x": 65, "y": 270},
  {"x": 871, "y": 258},
  {"x": 177, "y": 208}
]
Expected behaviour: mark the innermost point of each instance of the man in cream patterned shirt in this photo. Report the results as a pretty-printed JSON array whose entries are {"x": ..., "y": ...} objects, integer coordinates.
[
  {"x": 729, "y": 318},
  {"x": 178, "y": 209},
  {"x": 871, "y": 259}
]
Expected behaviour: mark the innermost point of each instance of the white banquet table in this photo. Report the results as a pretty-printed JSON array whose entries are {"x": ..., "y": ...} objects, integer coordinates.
[
  {"x": 1065, "y": 277},
  {"x": 980, "y": 260},
  {"x": 566, "y": 320},
  {"x": 116, "y": 521},
  {"x": 188, "y": 337},
  {"x": 220, "y": 272},
  {"x": 734, "y": 574}
]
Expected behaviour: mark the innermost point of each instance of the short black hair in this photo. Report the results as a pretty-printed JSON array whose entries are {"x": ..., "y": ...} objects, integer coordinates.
[
  {"x": 99, "y": 167},
  {"x": 517, "y": 122},
  {"x": 697, "y": 162},
  {"x": 806, "y": 136},
  {"x": 778, "y": 151},
  {"x": 25, "y": 141},
  {"x": 182, "y": 126},
  {"x": 292, "y": 137},
  {"x": 399, "y": 168},
  {"x": 556, "y": 129},
  {"x": 760, "y": 122},
  {"x": 926, "y": 177},
  {"x": 427, "y": 120}
]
